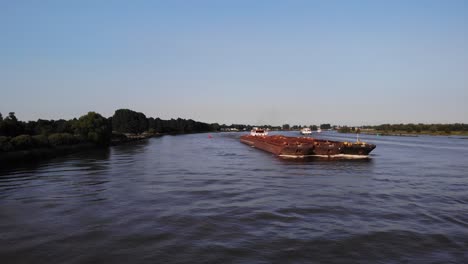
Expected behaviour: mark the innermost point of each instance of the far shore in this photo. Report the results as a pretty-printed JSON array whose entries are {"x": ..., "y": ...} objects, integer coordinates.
[
  {"x": 15, "y": 157},
  {"x": 413, "y": 134}
]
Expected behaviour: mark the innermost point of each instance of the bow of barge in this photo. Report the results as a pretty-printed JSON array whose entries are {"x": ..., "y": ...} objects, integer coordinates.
[{"x": 303, "y": 147}]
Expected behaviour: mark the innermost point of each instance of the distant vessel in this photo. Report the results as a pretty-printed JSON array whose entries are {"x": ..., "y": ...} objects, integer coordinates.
[
  {"x": 304, "y": 147},
  {"x": 258, "y": 132},
  {"x": 319, "y": 130},
  {"x": 306, "y": 131}
]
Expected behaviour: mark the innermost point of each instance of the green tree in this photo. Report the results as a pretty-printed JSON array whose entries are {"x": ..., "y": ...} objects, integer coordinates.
[
  {"x": 2, "y": 126},
  {"x": 344, "y": 129},
  {"x": 5, "y": 144},
  {"x": 94, "y": 128},
  {"x": 128, "y": 121},
  {"x": 215, "y": 127},
  {"x": 60, "y": 139},
  {"x": 40, "y": 141},
  {"x": 10, "y": 126},
  {"x": 22, "y": 142},
  {"x": 44, "y": 127},
  {"x": 12, "y": 116}
]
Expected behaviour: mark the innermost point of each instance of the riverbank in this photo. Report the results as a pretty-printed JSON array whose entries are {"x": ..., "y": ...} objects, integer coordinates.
[
  {"x": 118, "y": 139},
  {"x": 7, "y": 158},
  {"x": 16, "y": 157},
  {"x": 414, "y": 134}
]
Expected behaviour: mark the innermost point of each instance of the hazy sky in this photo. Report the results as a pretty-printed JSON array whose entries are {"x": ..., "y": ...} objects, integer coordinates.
[{"x": 298, "y": 62}]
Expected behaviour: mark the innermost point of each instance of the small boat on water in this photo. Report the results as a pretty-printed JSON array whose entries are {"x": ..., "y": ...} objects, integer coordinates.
[
  {"x": 306, "y": 131},
  {"x": 306, "y": 147},
  {"x": 258, "y": 132}
]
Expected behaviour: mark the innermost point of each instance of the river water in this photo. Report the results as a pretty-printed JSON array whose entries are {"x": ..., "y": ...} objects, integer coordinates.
[{"x": 200, "y": 199}]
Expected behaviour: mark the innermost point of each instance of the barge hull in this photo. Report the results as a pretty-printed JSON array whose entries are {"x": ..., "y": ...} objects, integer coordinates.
[{"x": 302, "y": 147}]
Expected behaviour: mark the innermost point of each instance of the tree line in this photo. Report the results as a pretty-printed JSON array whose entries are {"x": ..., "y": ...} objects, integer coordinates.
[
  {"x": 418, "y": 128},
  {"x": 128, "y": 121},
  {"x": 410, "y": 128},
  {"x": 312, "y": 127},
  {"x": 241, "y": 127},
  {"x": 91, "y": 128}
]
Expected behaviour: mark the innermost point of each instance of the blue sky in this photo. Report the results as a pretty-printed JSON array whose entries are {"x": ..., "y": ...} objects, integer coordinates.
[{"x": 297, "y": 62}]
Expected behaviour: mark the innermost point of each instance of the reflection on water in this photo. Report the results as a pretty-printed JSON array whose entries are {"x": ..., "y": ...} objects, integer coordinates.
[{"x": 192, "y": 198}]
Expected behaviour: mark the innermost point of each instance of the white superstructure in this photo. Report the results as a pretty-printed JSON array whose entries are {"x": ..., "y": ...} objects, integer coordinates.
[{"x": 258, "y": 132}]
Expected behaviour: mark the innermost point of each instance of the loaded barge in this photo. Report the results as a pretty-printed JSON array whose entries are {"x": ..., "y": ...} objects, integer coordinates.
[{"x": 306, "y": 147}]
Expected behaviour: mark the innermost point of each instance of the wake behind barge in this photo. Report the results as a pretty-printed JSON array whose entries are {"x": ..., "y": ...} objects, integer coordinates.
[{"x": 305, "y": 147}]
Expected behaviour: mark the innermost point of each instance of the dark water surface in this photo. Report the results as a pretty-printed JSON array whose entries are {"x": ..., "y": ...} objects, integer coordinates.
[{"x": 194, "y": 199}]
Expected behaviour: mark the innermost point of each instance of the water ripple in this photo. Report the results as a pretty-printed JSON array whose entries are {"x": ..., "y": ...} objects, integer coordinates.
[{"x": 190, "y": 199}]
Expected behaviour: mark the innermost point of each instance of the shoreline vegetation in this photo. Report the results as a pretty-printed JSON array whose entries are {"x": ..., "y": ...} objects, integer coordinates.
[
  {"x": 413, "y": 134},
  {"x": 32, "y": 140},
  {"x": 42, "y": 153},
  {"x": 409, "y": 130}
]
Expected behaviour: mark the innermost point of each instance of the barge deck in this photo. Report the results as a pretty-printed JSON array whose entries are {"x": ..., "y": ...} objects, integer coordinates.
[{"x": 305, "y": 147}]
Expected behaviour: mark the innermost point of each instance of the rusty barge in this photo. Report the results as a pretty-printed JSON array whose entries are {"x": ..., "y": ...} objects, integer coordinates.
[{"x": 306, "y": 147}]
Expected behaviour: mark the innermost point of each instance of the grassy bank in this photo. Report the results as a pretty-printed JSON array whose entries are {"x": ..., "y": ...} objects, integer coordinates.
[{"x": 414, "y": 133}]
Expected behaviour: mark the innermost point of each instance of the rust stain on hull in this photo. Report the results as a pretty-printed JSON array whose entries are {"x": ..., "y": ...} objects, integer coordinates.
[{"x": 303, "y": 147}]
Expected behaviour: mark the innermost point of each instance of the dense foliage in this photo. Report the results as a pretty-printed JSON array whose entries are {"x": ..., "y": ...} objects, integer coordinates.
[
  {"x": 345, "y": 129},
  {"x": 90, "y": 128},
  {"x": 411, "y": 128},
  {"x": 93, "y": 128},
  {"x": 62, "y": 139},
  {"x": 179, "y": 125},
  {"x": 418, "y": 128},
  {"x": 298, "y": 127},
  {"x": 128, "y": 121}
]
